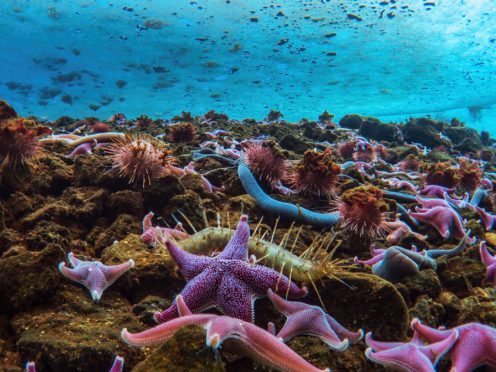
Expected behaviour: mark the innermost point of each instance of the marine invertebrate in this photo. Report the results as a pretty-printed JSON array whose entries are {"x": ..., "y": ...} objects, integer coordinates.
[
  {"x": 273, "y": 115},
  {"x": 364, "y": 151},
  {"x": 410, "y": 164},
  {"x": 489, "y": 262},
  {"x": 153, "y": 234},
  {"x": 93, "y": 274},
  {"x": 488, "y": 219},
  {"x": 19, "y": 142},
  {"x": 74, "y": 140},
  {"x": 445, "y": 220},
  {"x": 475, "y": 346},
  {"x": 184, "y": 132},
  {"x": 469, "y": 174},
  {"x": 346, "y": 149},
  {"x": 399, "y": 184},
  {"x": 410, "y": 356},
  {"x": 436, "y": 191},
  {"x": 305, "y": 319},
  {"x": 228, "y": 282},
  {"x": 441, "y": 174},
  {"x": 100, "y": 127},
  {"x": 139, "y": 158},
  {"x": 315, "y": 174},
  {"x": 6, "y": 111},
  {"x": 249, "y": 339},
  {"x": 82, "y": 149},
  {"x": 362, "y": 211},
  {"x": 266, "y": 160},
  {"x": 143, "y": 121}
]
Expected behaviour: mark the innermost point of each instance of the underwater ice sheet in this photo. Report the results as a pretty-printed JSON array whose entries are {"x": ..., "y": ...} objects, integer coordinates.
[{"x": 390, "y": 59}]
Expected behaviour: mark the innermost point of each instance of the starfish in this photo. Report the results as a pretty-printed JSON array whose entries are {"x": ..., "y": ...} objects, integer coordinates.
[
  {"x": 399, "y": 184},
  {"x": 93, "y": 274},
  {"x": 153, "y": 234},
  {"x": 190, "y": 169},
  {"x": 409, "y": 356},
  {"x": 116, "y": 367},
  {"x": 476, "y": 344},
  {"x": 443, "y": 219},
  {"x": 399, "y": 231},
  {"x": 436, "y": 190},
  {"x": 304, "y": 319},
  {"x": 83, "y": 149},
  {"x": 248, "y": 338},
  {"x": 229, "y": 282},
  {"x": 488, "y": 219},
  {"x": 489, "y": 262}
]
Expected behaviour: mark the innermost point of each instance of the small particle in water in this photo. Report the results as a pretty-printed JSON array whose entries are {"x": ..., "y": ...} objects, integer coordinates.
[
  {"x": 67, "y": 98},
  {"x": 76, "y": 52},
  {"x": 94, "y": 107},
  {"x": 129, "y": 9},
  {"x": 355, "y": 17},
  {"x": 122, "y": 37},
  {"x": 282, "y": 41},
  {"x": 254, "y": 19},
  {"x": 330, "y": 34}
]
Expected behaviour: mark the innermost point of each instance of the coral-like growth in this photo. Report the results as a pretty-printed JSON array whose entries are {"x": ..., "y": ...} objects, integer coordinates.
[
  {"x": 19, "y": 141},
  {"x": 274, "y": 115},
  {"x": 410, "y": 164},
  {"x": 184, "y": 132},
  {"x": 266, "y": 161},
  {"x": 326, "y": 119},
  {"x": 215, "y": 116},
  {"x": 442, "y": 174},
  {"x": 140, "y": 158},
  {"x": 185, "y": 116},
  {"x": 362, "y": 211},
  {"x": 143, "y": 121},
  {"x": 6, "y": 111},
  {"x": 364, "y": 151},
  {"x": 470, "y": 174},
  {"x": 316, "y": 174},
  {"x": 346, "y": 149},
  {"x": 100, "y": 127}
]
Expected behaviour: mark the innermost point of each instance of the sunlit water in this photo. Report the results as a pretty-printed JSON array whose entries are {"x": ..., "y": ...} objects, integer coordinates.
[{"x": 389, "y": 59}]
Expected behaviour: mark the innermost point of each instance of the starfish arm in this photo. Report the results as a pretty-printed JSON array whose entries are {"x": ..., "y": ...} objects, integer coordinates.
[
  {"x": 430, "y": 334},
  {"x": 487, "y": 218},
  {"x": 147, "y": 222},
  {"x": 257, "y": 344},
  {"x": 403, "y": 358},
  {"x": 381, "y": 345},
  {"x": 476, "y": 347},
  {"x": 436, "y": 350},
  {"x": 163, "y": 332},
  {"x": 114, "y": 272},
  {"x": 235, "y": 299},
  {"x": 30, "y": 367},
  {"x": 457, "y": 224},
  {"x": 199, "y": 294},
  {"x": 370, "y": 262},
  {"x": 73, "y": 260},
  {"x": 190, "y": 264},
  {"x": 77, "y": 275},
  {"x": 486, "y": 257},
  {"x": 118, "y": 364},
  {"x": 284, "y": 306},
  {"x": 261, "y": 278},
  {"x": 237, "y": 247},
  {"x": 343, "y": 332}
]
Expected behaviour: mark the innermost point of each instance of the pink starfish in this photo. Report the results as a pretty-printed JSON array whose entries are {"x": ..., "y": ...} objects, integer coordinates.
[
  {"x": 304, "y": 319},
  {"x": 436, "y": 190},
  {"x": 432, "y": 202},
  {"x": 399, "y": 231},
  {"x": 153, "y": 234},
  {"x": 445, "y": 220},
  {"x": 83, "y": 149},
  {"x": 476, "y": 344},
  {"x": 488, "y": 219},
  {"x": 93, "y": 274},
  {"x": 229, "y": 282},
  {"x": 399, "y": 184},
  {"x": 190, "y": 169},
  {"x": 251, "y": 340},
  {"x": 411, "y": 356},
  {"x": 489, "y": 262}
]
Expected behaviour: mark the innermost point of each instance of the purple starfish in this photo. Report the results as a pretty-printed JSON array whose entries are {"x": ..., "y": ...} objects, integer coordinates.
[
  {"x": 476, "y": 344},
  {"x": 83, "y": 149},
  {"x": 228, "y": 282},
  {"x": 249, "y": 339},
  {"x": 116, "y": 367},
  {"x": 488, "y": 219},
  {"x": 305, "y": 319},
  {"x": 489, "y": 262},
  {"x": 436, "y": 190},
  {"x": 399, "y": 184},
  {"x": 153, "y": 234},
  {"x": 445, "y": 220},
  {"x": 409, "y": 356},
  {"x": 93, "y": 274}
]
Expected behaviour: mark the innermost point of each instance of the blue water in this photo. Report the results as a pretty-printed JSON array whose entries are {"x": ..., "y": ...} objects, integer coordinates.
[{"x": 246, "y": 57}]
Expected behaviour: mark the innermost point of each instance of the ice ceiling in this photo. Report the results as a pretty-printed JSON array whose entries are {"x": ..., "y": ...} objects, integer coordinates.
[{"x": 385, "y": 58}]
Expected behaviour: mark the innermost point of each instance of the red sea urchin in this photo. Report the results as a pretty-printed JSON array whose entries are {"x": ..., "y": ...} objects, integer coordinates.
[
  {"x": 362, "y": 211},
  {"x": 266, "y": 161},
  {"x": 184, "y": 132},
  {"x": 315, "y": 174},
  {"x": 140, "y": 158},
  {"x": 19, "y": 141}
]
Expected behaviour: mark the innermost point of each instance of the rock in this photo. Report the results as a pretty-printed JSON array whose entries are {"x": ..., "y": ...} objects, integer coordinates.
[
  {"x": 52, "y": 177},
  {"x": 193, "y": 182},
  {"x": 293, "y": 143},
  {"x": 425, "y": 131},
  {"x": 244, "y": 202},
  {"x": 464, "y": 138},
  {"x": 479, "y": 306},
  {"x": 313, "y": 131},
  {"x": 160, "y": 191},
  {"x": 452, "y": 306},
  {"x": 180, "y": 354},
  {"x": 460, "y": 273},
  {"x": 6, "y": 111},
  {"x": 72, "y": 333},
  {"x": 28, "y": 278},
  {"x": 120, "y": 228},
  {"x": 375, "y": 129},
  {"x": 352, "y": 121},
  {"x": 93, "y": 170},
  {"x": 377, "y": 306},
  {"x": 8, "y": 237},
  {"x": 46, "y": 232},
  {"x": 125, "y": 201},
  {"x": 428, "y": 311},
  {"x": 190, "y": 204},
  {"x": 424, "y": 282}
]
